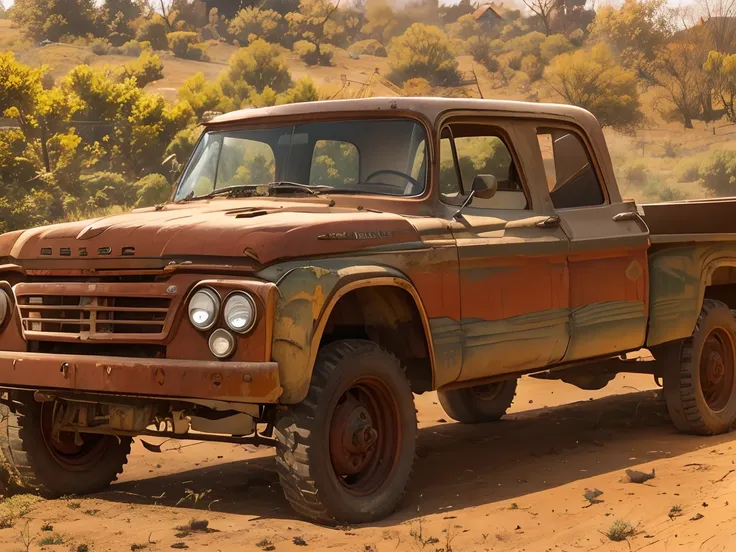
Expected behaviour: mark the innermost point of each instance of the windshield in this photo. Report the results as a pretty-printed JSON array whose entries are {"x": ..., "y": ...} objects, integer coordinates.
[{"x": 377, "y": 156}]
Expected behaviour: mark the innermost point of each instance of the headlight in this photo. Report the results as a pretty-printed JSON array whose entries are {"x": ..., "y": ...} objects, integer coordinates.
[
  {"x": 240, "y": 312},
  {"x": 203, "y": 308},
  {"x": 222, "y": 343},
  {"x": 4, "y": 305}
]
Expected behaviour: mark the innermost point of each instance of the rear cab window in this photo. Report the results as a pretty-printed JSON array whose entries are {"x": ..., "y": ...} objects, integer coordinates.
[{"x": 572, "y": 180}]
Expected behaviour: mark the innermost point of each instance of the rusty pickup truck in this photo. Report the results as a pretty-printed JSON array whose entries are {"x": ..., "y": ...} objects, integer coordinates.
[{"x": 320, "y": 263}]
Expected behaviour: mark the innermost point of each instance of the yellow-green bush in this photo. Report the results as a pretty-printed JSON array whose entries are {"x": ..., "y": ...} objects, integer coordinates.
[
  {"x": 369, "y": 47},
  {"x": 423, "y": 51}
]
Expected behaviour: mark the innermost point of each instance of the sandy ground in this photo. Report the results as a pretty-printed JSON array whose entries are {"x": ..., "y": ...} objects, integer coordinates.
[{"x": 514, "y": 485}]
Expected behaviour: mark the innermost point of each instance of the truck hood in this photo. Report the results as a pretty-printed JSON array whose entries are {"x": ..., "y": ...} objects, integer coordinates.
[{"x": 260, "y": 229}]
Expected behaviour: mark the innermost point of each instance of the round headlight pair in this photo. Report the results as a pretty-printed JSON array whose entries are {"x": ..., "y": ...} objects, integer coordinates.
[{"x": 239, "y": 310}]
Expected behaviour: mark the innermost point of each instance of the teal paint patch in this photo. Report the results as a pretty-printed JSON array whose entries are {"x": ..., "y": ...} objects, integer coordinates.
[
  {"x": 603, "y": 328},
  {"x": 677, "y": 280},
  {"x": 490, "y": 347}
]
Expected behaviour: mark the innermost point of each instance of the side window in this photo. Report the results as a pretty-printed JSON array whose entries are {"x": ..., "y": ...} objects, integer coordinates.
[
  {"x": 571, "y": 177},
  {"x": 479, "y": 150},
  {"x": 334, "y": 163}
]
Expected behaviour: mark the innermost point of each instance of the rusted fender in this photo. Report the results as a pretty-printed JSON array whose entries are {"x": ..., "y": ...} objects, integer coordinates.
[
  {"x": 307, "y": 294},
  {"x": 678, "y": 277}
]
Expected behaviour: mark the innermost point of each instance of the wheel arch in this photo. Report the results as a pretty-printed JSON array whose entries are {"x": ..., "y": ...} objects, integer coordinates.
[{"x": 311, "y": 296}]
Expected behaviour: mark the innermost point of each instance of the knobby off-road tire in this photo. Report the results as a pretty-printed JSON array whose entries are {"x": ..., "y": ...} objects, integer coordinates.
[
  {"x": 347, "y": 450},
  {"x": 36, "y": 463},
  {"x": 700, "y": 389},
  {"x": 482, "y": 403}
]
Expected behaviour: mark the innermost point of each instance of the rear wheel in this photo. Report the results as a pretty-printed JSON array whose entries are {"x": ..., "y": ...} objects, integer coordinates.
[
  {"x": 700, "y": 388},
  {"x": 346, "y": 451},
  {"x": 481, "y": 403},
  {"x": 35, "y": 460}
]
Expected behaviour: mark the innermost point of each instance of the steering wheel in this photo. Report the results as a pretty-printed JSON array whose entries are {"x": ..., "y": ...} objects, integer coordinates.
[{"x": 413, "y": 181}]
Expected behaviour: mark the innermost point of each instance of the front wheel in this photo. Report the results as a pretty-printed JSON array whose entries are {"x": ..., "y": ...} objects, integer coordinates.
[
  {"x": 35, "y": 461},
  {"x": 700, "y": 385},
  {"x": 478, "y": 404},
  {"x": 346, "y": 451}
]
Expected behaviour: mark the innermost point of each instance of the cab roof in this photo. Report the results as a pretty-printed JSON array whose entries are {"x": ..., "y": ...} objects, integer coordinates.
[{"x": 429, "y": 108}]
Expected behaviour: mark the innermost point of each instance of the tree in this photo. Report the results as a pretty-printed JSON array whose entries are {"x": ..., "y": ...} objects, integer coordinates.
[
  {"x": 115, "y": 19},
  {"x": 719, "y": 20},
  {"x": 634, "y": 31},
  {"x": 253, "y": 69},
  {"x": 423, "y": 51},
  {"x": 382, "y": 22},
  {"x": 543, "y": 9},
  {"x": 677, "y": 69},
  {"x": 253, "y": 23},
  {"x": 52, "y": 19},
  {"x": 591, "y": 79},
  {"x": 315, "y": 24},
  {"x": 154, "y": 31},
  {"x": 722, "y": 70}
]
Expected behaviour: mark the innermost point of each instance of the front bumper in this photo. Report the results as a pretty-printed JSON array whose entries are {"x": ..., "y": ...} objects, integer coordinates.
[{"x": 249, "y": 382}]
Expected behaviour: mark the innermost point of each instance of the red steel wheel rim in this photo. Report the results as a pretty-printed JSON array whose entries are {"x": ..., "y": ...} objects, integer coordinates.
[
  {"x": 365, "y": 436},
  {"x": 717, "y": 369},
  {"x": 68, "y": 454}
]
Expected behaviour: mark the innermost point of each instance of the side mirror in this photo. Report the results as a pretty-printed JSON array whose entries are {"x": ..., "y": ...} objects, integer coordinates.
[{"x": 484, "y": 186}]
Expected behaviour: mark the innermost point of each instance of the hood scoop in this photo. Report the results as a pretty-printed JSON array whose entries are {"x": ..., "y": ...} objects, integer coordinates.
[{"x": 251, "y": 214}]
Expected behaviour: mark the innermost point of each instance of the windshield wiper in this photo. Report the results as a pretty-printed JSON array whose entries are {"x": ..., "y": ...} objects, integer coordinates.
[{"x": 281, "y": 185}]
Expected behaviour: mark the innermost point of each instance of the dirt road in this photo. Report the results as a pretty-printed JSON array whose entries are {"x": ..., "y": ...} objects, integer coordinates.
[{"x": 515, "y": 485}]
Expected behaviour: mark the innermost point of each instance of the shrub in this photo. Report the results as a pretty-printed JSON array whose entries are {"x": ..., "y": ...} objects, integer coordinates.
[
  {"x": 184, "y": 44},
  {"x": 687, "y": 170},
  {"x": 105, "y": 189},
  {"x": 513, "y": 60},
  {"x": 576, "y": 37},
  {"x": 303, "y": 91},
  {"x": 101, "y": 47},
  {"x": 620, "y": 531},
  {"x": 146, "y": 69},
  {"x": 636, "y": 173},
  {"x": 529, "y": 43},
  {"x": 252, "y": 23},
  {"x": 532, "y": 66},
  {"x": 154, "y": 32},
  {"x": 202, "y": 95},
  {"x": 485, "y": 51},
  {"x": 669, "y": 148},
  {"x": 306, "y": 51},
  {"x": 152, "y": 189},
  {"x": 416, "y": 87},
  {"x": 252, "y": 69},
  {"x": 553, "y": 46},
  {"x": 132, "y": 48},
  {"x": 718, "y": 172},
  {"x": 369, "y": 47},
  {"x": 423, "y": 51}
]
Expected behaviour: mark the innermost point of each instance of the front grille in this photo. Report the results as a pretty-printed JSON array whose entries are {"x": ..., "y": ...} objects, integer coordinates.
[{"x": 100, "y": 311}]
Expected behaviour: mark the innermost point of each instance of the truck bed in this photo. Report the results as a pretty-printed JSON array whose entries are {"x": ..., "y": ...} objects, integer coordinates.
[{"x": 703, "y": 220}]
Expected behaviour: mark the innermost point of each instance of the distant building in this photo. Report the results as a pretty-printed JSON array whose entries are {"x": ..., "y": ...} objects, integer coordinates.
[{"x": 489, "y": 14}]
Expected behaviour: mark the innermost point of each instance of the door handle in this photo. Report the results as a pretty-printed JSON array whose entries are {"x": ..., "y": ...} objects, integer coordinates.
[
  {"x": 628, "y": 215},
  {"x": 549, "y": 222}
]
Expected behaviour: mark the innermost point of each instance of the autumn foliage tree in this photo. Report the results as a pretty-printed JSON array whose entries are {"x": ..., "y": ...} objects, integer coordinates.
[
  {"x": 593, "y": 80},
  {"x": 314, "y": 25}
]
